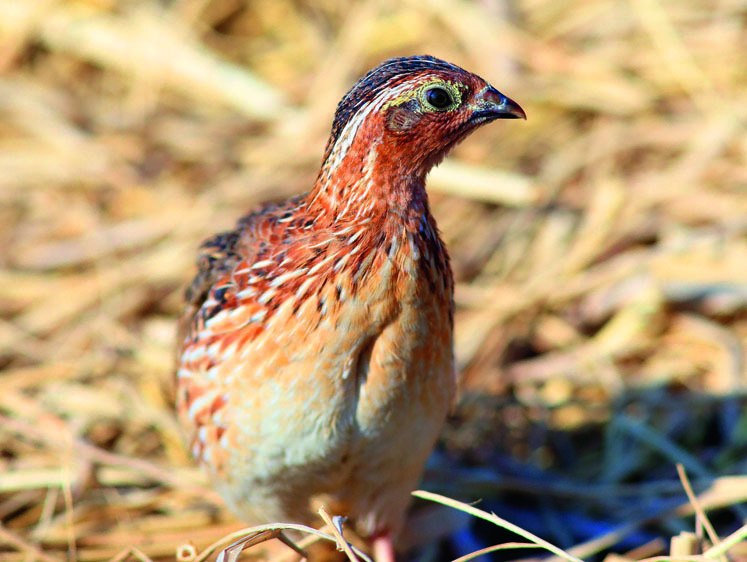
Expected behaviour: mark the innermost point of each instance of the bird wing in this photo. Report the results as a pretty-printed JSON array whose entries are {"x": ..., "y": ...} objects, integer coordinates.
[
  {"x": 226, "y": 304},
  {"x": 217, "y": 257}
]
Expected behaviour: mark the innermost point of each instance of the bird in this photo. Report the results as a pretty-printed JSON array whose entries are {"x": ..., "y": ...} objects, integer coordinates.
[{"x": 315, "y": 360}]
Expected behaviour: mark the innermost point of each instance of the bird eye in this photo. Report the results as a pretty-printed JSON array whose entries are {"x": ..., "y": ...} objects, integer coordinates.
[{"x": 438, "y": 98}]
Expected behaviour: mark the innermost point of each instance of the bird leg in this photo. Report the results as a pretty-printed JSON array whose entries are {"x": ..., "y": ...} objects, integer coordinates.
[{"x": 383, "y": 548}]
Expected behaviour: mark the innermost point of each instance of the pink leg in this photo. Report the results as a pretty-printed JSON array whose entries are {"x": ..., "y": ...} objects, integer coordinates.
[{"x": 383, "y": 548}]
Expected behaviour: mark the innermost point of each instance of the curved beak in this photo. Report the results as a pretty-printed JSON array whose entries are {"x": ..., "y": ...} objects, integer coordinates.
[{"x": 490, "y": 104}]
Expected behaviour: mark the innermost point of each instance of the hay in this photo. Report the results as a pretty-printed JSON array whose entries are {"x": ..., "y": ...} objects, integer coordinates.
[{"x": 599, "y": 250}]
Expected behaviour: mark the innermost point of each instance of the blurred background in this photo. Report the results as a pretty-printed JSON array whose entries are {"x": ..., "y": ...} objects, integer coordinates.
[{"x": 599, "y": 250}]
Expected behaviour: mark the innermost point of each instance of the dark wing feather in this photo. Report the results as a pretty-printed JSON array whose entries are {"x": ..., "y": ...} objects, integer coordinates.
[{"x": 217, "y": 257}]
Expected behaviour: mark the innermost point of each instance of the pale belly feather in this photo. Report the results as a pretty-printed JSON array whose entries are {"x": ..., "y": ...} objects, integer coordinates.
[{"x": 342, "y": 413}]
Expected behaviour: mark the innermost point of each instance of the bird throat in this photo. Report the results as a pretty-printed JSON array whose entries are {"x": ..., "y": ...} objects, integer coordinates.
[{"x": 364, "y": 178}]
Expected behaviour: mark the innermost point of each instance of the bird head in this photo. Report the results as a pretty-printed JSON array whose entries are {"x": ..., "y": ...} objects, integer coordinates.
[{"x": 409, "y": 112}]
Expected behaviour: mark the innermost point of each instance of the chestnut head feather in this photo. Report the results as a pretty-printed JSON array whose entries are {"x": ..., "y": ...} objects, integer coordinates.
[
  {"x": 392, "y": 127},
  {"x": 423, "y": 105}
]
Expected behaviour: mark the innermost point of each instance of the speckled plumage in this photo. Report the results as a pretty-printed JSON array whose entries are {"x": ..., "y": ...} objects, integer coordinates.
[{"x": 316, "y": 355}]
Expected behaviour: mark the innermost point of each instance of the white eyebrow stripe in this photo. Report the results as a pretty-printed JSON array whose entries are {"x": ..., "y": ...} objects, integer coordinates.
[{"x": 347, "y": 136}]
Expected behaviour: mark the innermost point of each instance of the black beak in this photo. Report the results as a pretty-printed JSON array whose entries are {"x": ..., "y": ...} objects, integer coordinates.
[{"x": 490, "y": 104}]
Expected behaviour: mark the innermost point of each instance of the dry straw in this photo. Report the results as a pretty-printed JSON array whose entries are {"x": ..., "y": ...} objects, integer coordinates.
[{"x": 599, "y": 250}]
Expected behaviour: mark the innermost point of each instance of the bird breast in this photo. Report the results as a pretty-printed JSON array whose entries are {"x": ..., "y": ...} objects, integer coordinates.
[{"x": 354, "y": 361}]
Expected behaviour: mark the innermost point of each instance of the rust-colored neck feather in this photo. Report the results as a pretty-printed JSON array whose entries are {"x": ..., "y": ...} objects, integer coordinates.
[{"x": 367, "y": 174}]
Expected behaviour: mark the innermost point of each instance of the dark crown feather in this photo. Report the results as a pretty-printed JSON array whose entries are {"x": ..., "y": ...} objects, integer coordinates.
[{"x": 368, "y": 87}]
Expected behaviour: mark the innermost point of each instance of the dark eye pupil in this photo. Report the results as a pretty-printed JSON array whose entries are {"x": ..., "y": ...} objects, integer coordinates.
[{"x": 438, "y": 98}]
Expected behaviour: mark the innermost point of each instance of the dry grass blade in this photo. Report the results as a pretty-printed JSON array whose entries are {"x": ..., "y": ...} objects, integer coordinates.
[
  {"x": 232, "y": 552},
  {"x": 495, "y": 548},
  {"x": 698, "y": 558},
  {"x": 131, "y": 551},
  {"x": 248, "y": 537},
  {"x": 481, "y": 184},
  {"x": 660, "y": 443},
  {"x": 491, "y": 517},
  {"x": 49, "y": 433},
  {"x": 29, "y": 549},
  {"x": 700, "y": 514},
  {"x": 336, "y": 531},
  {"x": 721, "y": 549},
  {"x": 145, "y": 41},
  {"x": 685, "y": 544},
  {"x": 598, "y": 251},
  {"x": 605, "y": 541}
]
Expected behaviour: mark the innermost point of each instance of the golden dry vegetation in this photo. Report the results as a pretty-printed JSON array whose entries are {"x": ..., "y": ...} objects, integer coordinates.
[{"x": 599, "y": 250}]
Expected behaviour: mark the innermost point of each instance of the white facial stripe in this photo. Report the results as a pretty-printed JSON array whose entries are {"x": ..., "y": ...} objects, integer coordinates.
[{"x": 347, "y": 136}]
